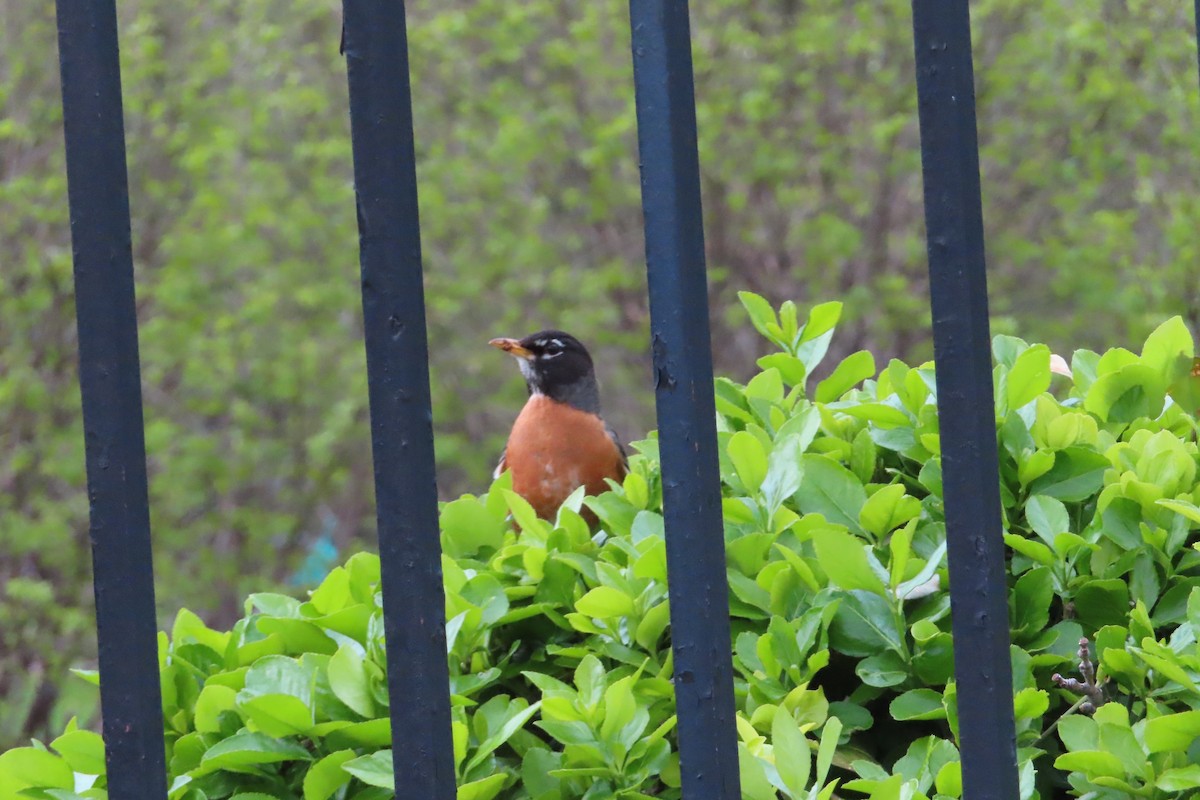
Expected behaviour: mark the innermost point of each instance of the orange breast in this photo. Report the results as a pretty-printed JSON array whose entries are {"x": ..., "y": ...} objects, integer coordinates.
[{"x": 554, "y": 449}]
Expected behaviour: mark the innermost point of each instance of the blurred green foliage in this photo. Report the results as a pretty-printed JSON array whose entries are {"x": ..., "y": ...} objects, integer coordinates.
[{"x": 246, "y": 249}]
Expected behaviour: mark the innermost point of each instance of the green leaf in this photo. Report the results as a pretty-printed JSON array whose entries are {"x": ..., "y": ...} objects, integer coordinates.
[
  {"x": 949, "y": 779},
  {"x": 1077, "y": 474},
  {"x": 752, "y": 776},
  {"x": 887, "y": 509},
  {"x": 604, "y": 602},
  {"x": 1005, "y": 349},
  {"x": 1047, "y": 516},
  {"x": 1091, "y": 762},
  {"x": 1179, "y": 779},
  {"x": 348, "y": 679},
  {"x": 934, "y": 662},
  {"x": 482, "y": 789},
  {"x": 274, "y": 604},
  {"x": 327, "y": 776},
  {"x": 1031, "y": 703},
  {"x": 853, "y": 370},
  {"x": 918, "y": 704},
  {"x": 536, "y": 766},
  {"x": 924, "y": 758},
  {"x": 374, "y": 769},
  {"x": 524, "y": 514},
  {"x": 1034, "y": 465},
  {"x": 731, "y": 401},
  {"x": 82, "y": 750},
  {"x": 460, "y": 735},
  {"x": 590, "y": 680},
  {"x": 1169, "y": 349},
  {"x": 251, "y": 749},
  {"x": 1186, "y": 389},
  {"x": 790, "y": 368},
  {"x": 364, "y": 572},
  {"x": 784, "y": 470},
  {"x": 883, "y": 670},
  {"x": 619, "y": 709},
  {"x": 749, "y": 459},
  {"x": 1036, "y": 551},
  {"x": 830, "y": 735},
  {"x": 91, "y": 676},
  {"x": 789, "y": 319},
  {"x": 1117, "y": 738},
  {"x": 811, "y": 352},
  {"x": 760, "y": 311},
  {"x": 1029, "y": 376},
  {"x": 831, "y": 490},
  {"x": 276, "y": 674},
  {"x": 333, "y": 594},
  {"x": 1183, "y": 507},
  {"x": 1103, "y": 602},
  {"x": 637, "y": 491},
  {"x": 863, "y": 624},
  {"x": 781, "y": 638},
  {"x": 190, "y": 628},
  {"x": 213, "y": 699},
  {"x": 821, "y": 320},
  {"x": 1084, "y": 368},
  {"x": 468, "y": 526},
  {"x": 882, "y": 414},
  {"x": 926, "y": 573},
  {"x": 651, "y": 628},
  {"x": 844, "y": 559},
  {"x": 1172, "y": 732},
  {"x": 515, "y": 721},
  {"x": 793, "y": 759},
  {"x": 25, "y": 767},
  {"x": 863, "y": 454},
  {"x": 766, "y": 385},
  {"x": 1030, "y": 601},
  {"x": 1079, "y": 732},
  {"x": 277, "y": 714},
  {"x": 1133, "y": 391}
]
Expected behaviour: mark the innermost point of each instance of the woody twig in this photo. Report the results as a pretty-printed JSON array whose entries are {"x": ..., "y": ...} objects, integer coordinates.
[{"x": 1091, "y": 691}]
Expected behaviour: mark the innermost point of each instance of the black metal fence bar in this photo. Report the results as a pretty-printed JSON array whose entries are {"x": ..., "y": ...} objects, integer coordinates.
[
  {"x": 110, "y": 382},
  {"x": 958, "y": 285},
  {"x": 666, "y": 111},
  {"x": 414, "y": 605},
  {"x": 1198, "y": 34}
]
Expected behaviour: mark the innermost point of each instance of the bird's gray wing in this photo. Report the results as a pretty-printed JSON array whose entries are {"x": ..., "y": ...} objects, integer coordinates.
[{"x": 620, "y": 448}]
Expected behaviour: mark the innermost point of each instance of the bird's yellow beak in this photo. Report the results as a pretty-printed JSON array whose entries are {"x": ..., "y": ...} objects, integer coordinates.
[{"x": 512, "y": 347}]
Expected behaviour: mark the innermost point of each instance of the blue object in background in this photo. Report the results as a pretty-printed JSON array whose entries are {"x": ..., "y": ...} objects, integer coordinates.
[{"x": 322, "y": 555}]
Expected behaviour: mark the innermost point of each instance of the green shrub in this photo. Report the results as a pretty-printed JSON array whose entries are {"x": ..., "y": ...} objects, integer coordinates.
[
  {"x": 559, "y": 639},
  {"x": 246, "y": 247}
]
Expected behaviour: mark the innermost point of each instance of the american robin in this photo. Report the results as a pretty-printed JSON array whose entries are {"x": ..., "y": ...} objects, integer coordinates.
[{"x": 559, "y": 441}]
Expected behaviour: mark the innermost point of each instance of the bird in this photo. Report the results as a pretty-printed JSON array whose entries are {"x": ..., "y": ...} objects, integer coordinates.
[{"x": 559, "y": 441}]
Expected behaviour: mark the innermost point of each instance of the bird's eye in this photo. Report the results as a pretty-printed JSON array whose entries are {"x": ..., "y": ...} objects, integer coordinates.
[{"x": 551, "y": 348}]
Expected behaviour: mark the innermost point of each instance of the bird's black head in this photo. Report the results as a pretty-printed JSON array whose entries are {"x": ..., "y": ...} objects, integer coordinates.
[{"x": 557, "y": 365}]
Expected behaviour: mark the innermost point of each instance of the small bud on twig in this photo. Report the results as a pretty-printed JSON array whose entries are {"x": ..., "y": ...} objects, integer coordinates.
[{"x": 1086, "y": 687}]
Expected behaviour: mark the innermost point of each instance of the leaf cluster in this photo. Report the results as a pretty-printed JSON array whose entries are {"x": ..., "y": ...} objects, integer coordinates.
[{"x": 558, "y": 637}]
